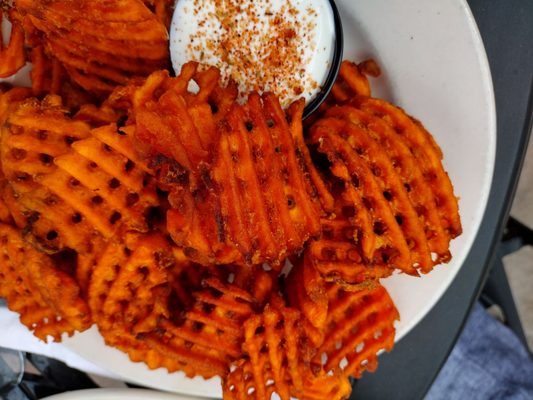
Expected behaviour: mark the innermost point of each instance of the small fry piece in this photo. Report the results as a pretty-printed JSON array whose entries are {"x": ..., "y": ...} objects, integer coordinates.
[
  {"x": 360, "y": 324},
  {"x": 47, "y": 299},
  {"x": 271, "y": 344}
]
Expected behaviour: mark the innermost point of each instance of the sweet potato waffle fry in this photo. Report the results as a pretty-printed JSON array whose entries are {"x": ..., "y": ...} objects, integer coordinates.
[
  {"x": 47, "y": 298},
  {"x": 410, "y": 173},
  {"x": 100, "y": 43},
  {"x": 201, "y": 229},
  {"x": 32, "y": 136},
  {"x": 360, "y": 325},
  {"x": 254, "y": 188},
  {"x": 426, "y": 152}
]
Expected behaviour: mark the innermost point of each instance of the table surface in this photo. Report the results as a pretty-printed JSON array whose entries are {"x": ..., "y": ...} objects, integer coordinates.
[{"x": 409, "y": 370}]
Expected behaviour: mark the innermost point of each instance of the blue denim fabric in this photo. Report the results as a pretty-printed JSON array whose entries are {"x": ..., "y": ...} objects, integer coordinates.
[{"x": 488, "y": 362}]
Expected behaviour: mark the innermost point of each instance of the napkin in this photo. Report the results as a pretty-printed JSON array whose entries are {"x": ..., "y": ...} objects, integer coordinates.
[{"x": 14, "y": 335}]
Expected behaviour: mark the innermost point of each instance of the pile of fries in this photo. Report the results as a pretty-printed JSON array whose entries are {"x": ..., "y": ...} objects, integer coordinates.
[{"x": 202, "y": 234}]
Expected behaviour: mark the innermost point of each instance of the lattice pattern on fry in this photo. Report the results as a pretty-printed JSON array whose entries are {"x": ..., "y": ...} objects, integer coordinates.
[
  {"x": 176, "y": 123},
  {"x": 100, "y": 43},
  {"x": 47, "y": 298},
  {"x": 373, "y": 175},
  {"x": 360, "y": 324},
  {"x": 277, "y": 361},
  {"x": 252, "y": 202},
  {"x": 104, "y": 185},
  {"x": 428, "y": 155},
  {"x": 338, "y": 258},
  {"x": 72, "y": 187},
  {"x": 129, "y": 284},
  {"x": 271, "y": 344},
  {"x": 33, "y": 135},
  {"x": 211, "y": 333},
  {"x": 410, "y": 174},
  {"x": 364, "y": 177}
]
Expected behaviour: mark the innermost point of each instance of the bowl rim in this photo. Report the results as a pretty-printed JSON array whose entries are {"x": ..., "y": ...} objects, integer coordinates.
[{"x": 336, "y": 62}]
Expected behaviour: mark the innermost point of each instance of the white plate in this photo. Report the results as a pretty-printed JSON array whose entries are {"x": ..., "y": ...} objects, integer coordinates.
[
  {"x": 118, "y": 394},
  {"x": 434, "y": 66}
]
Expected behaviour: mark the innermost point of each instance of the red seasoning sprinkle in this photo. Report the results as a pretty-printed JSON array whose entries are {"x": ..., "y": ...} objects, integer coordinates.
[{"x": 263, "y": 45}]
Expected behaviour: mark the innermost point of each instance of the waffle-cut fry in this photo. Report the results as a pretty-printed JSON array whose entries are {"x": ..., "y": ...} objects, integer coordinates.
[
  {"x": 137, "y": 295},
  {"x": 272, "y": 365},
  {"x": 391, "y": 186},
  {"x": 13, "y": 56},
  {"x": 216, "y": 318},
  {"x": 211, "y": 334},
  {"x": 392, "y": 246},
  {"x": 338, "y": 257},
  {"x": 255, "y": 193},
  {"x": 144, "y": 259},
  {"x": 33, "y": 135},
  {"x": 427, "y": 154},
  {"x": 176, "y": 123},
  {"x": 100, "y": 43},
  {"x": 110, "y": 192},
  {"x": 47, "y": 299},
  {"x": 360, "y": 325},
  {"x": 407, "y": 167}
]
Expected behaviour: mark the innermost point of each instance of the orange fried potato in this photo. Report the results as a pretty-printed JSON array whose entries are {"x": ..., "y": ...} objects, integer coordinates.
[
  {"x": 365, "y": 178},
  {"x": 132, "y": 295},
  {"x": 272, "y": 365},
  {"x": 33, "y": 135},
  {"x": 210, "y": 335},
  {"x": 277, "y": 361},
  {"x": 386, "y": 197},
  {"x": 100, "y": 43},
  {"x": 71, "y": 185},
  {"x": 254, "y": 202},
  {"x": 428, "y": 155},
  {"x": 410, "y": 174},
  {"x": 38, "y": 288},
  {"x": 360, "y": 324}
]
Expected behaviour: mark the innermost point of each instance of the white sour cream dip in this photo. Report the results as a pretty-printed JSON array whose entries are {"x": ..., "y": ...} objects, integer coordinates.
[{"x": 281, "y": 46}]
